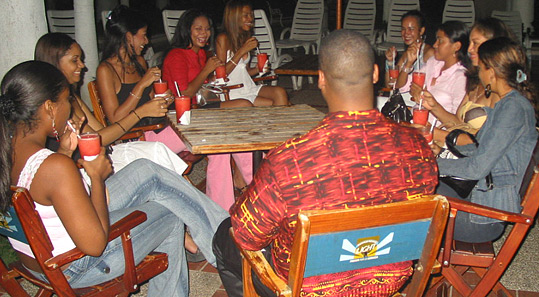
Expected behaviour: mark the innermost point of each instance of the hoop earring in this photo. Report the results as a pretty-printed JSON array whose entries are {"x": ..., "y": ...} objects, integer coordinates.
[
  {"x": 488, "y": 91},
  {"x": 55, "y": 132}
]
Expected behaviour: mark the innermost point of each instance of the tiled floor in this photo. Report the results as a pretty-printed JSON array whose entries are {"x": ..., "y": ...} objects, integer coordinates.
[{"x": 207, "y": 268}]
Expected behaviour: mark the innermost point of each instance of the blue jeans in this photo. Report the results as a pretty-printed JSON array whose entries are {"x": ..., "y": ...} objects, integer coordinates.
[{"x": 169, "y": 202}]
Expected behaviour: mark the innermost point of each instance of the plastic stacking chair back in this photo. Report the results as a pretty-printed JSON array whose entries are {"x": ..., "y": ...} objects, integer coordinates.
[
  {"x": 458, "y": 258},
  {"x": 62, "y": 21},
  {"x": 393, "y": 32},
  {"x": 306, "y": 30},
  {"x": 512, "y": 19},
  {"x": 360, "y": 15},
  {"x": 459, "y": 10},
  {"x": 30, "y": 225},
  {"x": 330, "y": 241},
  {"x": 170, "y": 20}
]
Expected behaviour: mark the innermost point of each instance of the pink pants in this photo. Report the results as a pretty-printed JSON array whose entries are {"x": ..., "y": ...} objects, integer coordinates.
[{"x": 219, "y": 184}]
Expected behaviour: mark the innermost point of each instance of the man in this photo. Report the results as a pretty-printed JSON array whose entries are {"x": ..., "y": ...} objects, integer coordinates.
[{"x": 354, "y": 157}]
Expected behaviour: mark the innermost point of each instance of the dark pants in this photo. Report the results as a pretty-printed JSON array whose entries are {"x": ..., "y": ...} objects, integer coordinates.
[
  {"x": 467, "y": 231},
  {"x": 229, "y": 263}
]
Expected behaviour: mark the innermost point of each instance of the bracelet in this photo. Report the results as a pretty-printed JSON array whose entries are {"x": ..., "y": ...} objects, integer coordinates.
[
  {"x": 133, "y": 111},
  {"x": 233, "y": 62},
  {"x": 131, "y": 93},
  {"x": 118, "y": 123},
  {"x": 408, "y": 70}
]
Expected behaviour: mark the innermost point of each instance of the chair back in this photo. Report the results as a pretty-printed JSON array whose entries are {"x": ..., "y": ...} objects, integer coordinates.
[
  {"x": 459, "y": 10},
  {"x": 512, "y": 19},
  {"x": 360, "y": 15},
  {"x": 397, "y": 9},
  {"x": 96, "y": 103},
  {"x": 308, "y": 19},
  {"x": 330, "y": 241},
  {"x": 266, "y": 42},
  {"x": 170, "y": 20},
  {"x": 62, "y": 21}
]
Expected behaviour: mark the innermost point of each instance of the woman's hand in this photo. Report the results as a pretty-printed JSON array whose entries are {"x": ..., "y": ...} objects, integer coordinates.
[
  {"x": 211, "y": 64},
  {"x": 68, "y": 140},
  {"x": 411, "y": 54},
  {"x": 151, "y": 75},
  {"x": 391, "y": 53},
  {"x": 436, "y": 149},
  {"x": 416, "y": 91},
  {"x": 429, "y": 102},
  {"x": 249, "y": 45},
  {"x": 156, "y": 107},
  {"x": 100, "y": 168}
]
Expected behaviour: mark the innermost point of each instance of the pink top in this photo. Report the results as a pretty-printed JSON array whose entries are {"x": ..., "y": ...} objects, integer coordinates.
[
  {"x": 61, "y": 241},
  {"x": 182, "y": 66},
  {"x": 450, "y": 86}
]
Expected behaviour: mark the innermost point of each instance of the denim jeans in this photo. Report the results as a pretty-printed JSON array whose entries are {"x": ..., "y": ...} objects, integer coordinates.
[{"x": 169, "y": 202}]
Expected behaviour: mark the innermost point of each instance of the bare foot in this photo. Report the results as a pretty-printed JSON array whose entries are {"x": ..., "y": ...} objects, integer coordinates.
[{"x": 189, "y": 244}]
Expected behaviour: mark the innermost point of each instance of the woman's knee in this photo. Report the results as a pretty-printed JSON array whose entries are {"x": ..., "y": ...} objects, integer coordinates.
[
  {"x": 281, "y": 97},
  {"x": 236, "y": 103}
]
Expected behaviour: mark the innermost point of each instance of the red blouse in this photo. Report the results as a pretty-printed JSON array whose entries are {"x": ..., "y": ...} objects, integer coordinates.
[{"x": 182, "y": 66}]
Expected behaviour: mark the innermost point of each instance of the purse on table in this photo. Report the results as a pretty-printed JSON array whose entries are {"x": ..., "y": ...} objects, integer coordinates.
[
  {"x": 396, "y": 109},
  {"x": 463, "y": 187}
]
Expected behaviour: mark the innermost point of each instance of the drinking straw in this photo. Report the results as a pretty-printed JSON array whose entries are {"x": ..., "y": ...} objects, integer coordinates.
[
  {"x": 73, "y": 129},
  {"x": 257, "y": 50},
  {"x": 433, "y": 125},
  {"x": 177, "y": 88},
  {"x": 420, "y": 103},
  {"x": 418, "y": 60}
]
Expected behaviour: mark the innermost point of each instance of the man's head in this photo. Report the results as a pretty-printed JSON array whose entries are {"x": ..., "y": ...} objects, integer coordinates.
[{"x": 347, "y": 69}]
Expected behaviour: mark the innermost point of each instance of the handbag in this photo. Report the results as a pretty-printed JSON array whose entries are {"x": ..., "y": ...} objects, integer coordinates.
[
  {"x": 208, "y": 93},
  {"x": 396, "y": 109},
  {"x": 462, "y": 186}
]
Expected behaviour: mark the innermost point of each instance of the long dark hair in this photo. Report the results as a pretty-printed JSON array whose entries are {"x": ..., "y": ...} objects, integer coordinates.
[
  {"x": 231, "y": 23},
  {"x": 122, "y": 20},
  {"x": 24, "y": 89},
  {"x": 457, "y": 31},
  {"x": 182, "y": 34}
]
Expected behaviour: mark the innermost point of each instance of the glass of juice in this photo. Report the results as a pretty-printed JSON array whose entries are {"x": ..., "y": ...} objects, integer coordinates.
[
  {"x": 89, "y": 146},
  {"x": 393, "y": 71},
  {"x": 419, "y": 78},
  {"x": 160, "y": 87},
  {"x": 427, "y": 133},
  {"x": 420, "y": 115},
  {"x": 220, "y": 72},
  {"x": 182, "y": 104},
  {"x": 261, "y": 58}
]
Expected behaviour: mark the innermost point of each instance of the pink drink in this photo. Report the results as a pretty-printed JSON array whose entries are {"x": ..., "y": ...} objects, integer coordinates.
[
  {"x": 419, "y": 78},
  {"x": 261, "y": 60},
  {"x": 220, "y": 72},
  {"x": 89, "y": 146},
  {"x": 160, "y": 87},
  {"x": 420, "y": 116},
  {"x": 427, "y": 133},
  {"x": 393, "y": 73},
  {"x": 182, "y": 104}
]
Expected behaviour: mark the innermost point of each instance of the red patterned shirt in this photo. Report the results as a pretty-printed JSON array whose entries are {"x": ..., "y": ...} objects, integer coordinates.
[{"x": 350, "y": 159}]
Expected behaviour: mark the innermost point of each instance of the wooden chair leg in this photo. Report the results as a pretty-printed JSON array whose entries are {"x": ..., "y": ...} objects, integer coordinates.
[
  {"x": 248, "y": 287},
  {"x": 9, "y": 282}
]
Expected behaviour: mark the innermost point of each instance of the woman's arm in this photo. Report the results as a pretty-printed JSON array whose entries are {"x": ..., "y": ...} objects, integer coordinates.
[{"x": 222, "y": 46}]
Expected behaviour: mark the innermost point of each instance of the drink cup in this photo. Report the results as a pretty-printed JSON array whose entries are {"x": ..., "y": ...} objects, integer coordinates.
[
  {"x": 182, "y": 104},
  {"x": 393, "y": 74},
  {"x": 89, "y": 146},
  {"x": 419, "y": 78},
  {"x": 160, "y": 87},
  {"x": 427, "y": 133},
  {"x": 420, "y": 116},
  {"x": 261, "y": 58},
  {"x": 220, "y": 72}
]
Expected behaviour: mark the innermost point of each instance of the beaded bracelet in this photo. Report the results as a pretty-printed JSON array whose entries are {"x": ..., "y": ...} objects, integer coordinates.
[
  {"x": 131, "y": 93},
  {"x": 134, "y": 112},
  {"x": 118, "y": 123}
]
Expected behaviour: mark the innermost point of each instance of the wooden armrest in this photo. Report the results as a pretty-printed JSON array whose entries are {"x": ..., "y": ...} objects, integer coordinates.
[
  {"x": 125, "y": 224},
  {"x": 232, "y": 87},
  {"x": 489, "y": 212},
  {"x": 148, "y": 127},
  {"x": 265, "y": 272},
  {"x": 132, "y": 135},
  {"x": 263, "y": 78}
]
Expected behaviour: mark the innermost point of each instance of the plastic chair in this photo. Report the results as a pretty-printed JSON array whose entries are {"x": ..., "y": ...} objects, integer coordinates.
[
  {"x": 512, "y": 19},
  {"x": 457, "y": 257},
  {"x": 170, "y": 20},
  {"x": 403, "y": 230},
  {"x": 275, "y": 12},
  {"x": 459, "y": 10},
  {"x": 360, "y": 16},
  {"x": 393, "y": 32},
  {"x": 24, "y": 224},
  {"x": 306, "y": 28},
  {"x": 61, "y": 21}
]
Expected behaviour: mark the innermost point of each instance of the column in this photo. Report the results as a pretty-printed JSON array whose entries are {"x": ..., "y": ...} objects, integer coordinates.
[
  {"x": 85, "y": 34},
  {"x": 22, "y": 22}
]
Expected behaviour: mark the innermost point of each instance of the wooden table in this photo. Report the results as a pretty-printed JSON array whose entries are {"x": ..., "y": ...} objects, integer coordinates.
[
  {"x": 301, "y": 65},
  {"x": 216, "y": 130}
]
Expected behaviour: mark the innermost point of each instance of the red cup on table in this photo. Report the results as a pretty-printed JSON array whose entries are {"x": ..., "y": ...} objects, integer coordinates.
[
  {"x": 160, "y": 87},
  {"x": 220, "y": 72},
  {"x": 261, "y": 58},
  {"x": 419, "y": 78},
  {"x": 182, "y": 104},
  {"x": 420, "y": 115},
  {"x": 89, "y": 146}
]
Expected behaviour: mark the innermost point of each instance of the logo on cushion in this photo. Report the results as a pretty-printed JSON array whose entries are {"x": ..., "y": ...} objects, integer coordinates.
[{"x": 368, "y": 248}]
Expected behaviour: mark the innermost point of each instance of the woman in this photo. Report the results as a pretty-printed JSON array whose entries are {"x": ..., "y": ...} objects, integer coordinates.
[
  {"x": 413, "y": 34},
  {"x": 124, "y": 81},
  {"x": 186, "y": 64},
  {"x": 34, "y": 105},
  {"x": 445, "y": 72},
  {"x": 470, "y": 115},
  {"x": 65, "y": 53},
  {"x": 506, "y": 141},
  {"x": 234, "y": 47}
]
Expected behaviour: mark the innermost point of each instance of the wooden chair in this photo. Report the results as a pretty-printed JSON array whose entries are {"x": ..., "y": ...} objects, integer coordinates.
[
  {"x": 402, "y": 231},
  {"x": 24, "y": 224},
  {"x": 457, "y": 257},
  {"x": 61, "y": 21}
]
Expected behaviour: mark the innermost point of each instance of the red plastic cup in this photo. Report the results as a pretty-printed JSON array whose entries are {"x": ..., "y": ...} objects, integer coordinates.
[
  {"x": 420, "y": 116},
  {"x": 160, "y": 87},
  {"x": 419, "y": 78},
  {"x": 427, "y": 133},
  {"x": 393, "y": 73},
  {"x": 89, "y": 146},
  {"x": 220, "y": 72},
  {"x": 182, "y": 104},
  {"x": 261, "y": 58}
]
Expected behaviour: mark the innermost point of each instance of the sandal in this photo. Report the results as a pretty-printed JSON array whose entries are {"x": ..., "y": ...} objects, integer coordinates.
[{"x": 194, "y": 258}]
